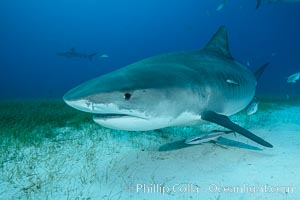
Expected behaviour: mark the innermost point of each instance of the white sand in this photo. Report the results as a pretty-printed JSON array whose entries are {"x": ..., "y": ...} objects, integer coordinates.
[{"x": 97, "y": 163}]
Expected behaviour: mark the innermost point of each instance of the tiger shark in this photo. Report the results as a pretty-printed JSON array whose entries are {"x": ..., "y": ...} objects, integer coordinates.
[
  {"x": 260, "y": 2},
  {"x": 72, "y": 53},
  {"x": 175, "y": 89}
]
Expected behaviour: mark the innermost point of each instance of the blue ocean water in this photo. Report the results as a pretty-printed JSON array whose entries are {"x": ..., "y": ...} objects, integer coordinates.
[{"x": 32, "y": 32}]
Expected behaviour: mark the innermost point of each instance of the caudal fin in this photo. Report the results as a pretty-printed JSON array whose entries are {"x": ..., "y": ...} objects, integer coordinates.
[
  {"x": 260, "y": 70},
  {"x": 91, "y": 56}
]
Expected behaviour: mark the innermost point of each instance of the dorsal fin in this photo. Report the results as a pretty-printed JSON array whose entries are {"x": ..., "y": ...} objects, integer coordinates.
[{"x": 219, "y": 43}]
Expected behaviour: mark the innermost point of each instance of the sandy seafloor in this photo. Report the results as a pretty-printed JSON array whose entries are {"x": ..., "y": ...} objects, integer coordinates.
[{"x": 51, "y": 151}]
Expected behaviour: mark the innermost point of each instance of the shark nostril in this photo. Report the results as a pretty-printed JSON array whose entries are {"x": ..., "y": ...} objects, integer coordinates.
[
  {"x": 88, "y": 104},
  {"x": 127, "y": 96}
]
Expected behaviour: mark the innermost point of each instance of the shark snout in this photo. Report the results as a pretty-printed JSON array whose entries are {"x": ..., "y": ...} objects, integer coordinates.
[
  {"x": 81, "y": 105},
  {"x": 73, "y": 99},
  {"x": 86, "y": 105}
]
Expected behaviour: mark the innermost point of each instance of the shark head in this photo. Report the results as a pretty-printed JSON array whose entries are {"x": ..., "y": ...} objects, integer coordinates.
[{"x": 131, "y": 99}]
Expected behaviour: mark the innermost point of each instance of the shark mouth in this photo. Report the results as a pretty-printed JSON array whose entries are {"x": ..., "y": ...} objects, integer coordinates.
[
  {"x": 123, "y": 122},
  {"x": 110, "y": 116},
  {"x": 103, "y": 111}
]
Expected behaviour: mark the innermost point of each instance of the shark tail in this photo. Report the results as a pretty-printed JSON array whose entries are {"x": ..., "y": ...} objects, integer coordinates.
[
  {"x": 91, "y": 56},
  {"x": 259, "y": 3}
]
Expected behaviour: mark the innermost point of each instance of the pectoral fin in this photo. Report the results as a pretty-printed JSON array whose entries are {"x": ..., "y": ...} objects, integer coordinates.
[{"x": 224, "y": 121}]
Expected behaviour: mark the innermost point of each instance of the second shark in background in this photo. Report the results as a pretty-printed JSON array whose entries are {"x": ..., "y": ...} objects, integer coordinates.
[{"x": 72, "y": 53}]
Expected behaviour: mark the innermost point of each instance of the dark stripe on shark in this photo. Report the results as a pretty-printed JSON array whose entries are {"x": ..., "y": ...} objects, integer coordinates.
[{"x": 225, "y": 122}]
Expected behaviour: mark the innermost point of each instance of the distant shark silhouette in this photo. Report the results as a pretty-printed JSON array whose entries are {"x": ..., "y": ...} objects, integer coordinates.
[
  {"x": 260, "y": 2},
  {"x": 174, "y": 89},
  {"x": 72, "y": 53}
]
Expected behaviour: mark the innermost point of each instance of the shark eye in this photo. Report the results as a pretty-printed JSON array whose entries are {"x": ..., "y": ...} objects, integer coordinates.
[{"x": 127, "y": 96}]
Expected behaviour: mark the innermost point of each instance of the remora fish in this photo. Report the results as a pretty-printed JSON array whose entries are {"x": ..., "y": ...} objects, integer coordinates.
[
  {"x": 72, "y": 53},
  {"x": 175, "y": 89},
  {"x": 293, "y": 78},
  {"x": 104, "y": 55},
  {"x": 252, "y": 108},
  {"x": 260, "y": 2},
  {"x": 212, "y": 136},
  {"x": 221, "y": 5}
]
